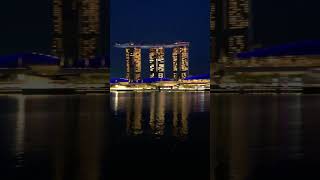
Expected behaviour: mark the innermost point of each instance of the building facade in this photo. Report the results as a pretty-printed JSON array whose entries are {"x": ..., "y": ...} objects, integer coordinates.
[
  {"x": 180, "y": 57},
  {"x": 133, "y": 64},
  {"x": 237, "y": 27},
  {"x": 79, "y": 31},
  {"x": 89, "y": 29},
  {"x": 157, "y": 64},
  {"x": 230, "y": 23}
]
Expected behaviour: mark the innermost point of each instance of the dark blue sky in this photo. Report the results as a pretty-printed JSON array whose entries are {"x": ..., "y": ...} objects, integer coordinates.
[{"x": 165, "y": 21}]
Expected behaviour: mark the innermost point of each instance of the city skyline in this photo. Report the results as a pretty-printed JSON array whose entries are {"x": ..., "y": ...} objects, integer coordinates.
[
  {"x": 157, "y": 61},
  {"x": 33, "y": 26},
  {"x": 27, "y": 26},
  {"x": 151, "y": 22}
]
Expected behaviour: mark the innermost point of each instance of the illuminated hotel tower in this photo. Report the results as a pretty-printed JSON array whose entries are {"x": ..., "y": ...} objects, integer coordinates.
[
  {"x": 156, "y": 58},
  {"x": 133, "y": 64},
  {"x": 229, "y": 28},
  {"x": 180, "y": 57},
  {"x": 237, "y": 26},
  {"x": 88, "y": 28},
  {"x": 64, "y": 30},
  {"x": 78, "y": 33}
]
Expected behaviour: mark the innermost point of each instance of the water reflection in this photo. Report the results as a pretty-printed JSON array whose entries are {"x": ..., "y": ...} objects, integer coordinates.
[
  {"x": 55, "y": 137},
  {"x": 160, "y": 135},
  {"x": 20, "y": 131},
  {"x": 134, "y": 116},
  {"x": 263, "y": 136},
  {"x": 156, "y": 113},
  {"x": 181, "y": 110}
]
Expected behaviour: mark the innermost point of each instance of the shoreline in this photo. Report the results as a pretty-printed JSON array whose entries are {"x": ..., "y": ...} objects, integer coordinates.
[
  {"x": 52, "y": 91},
  {"x": 160, "y": 90},
  {"x": 275, "y": 90}
]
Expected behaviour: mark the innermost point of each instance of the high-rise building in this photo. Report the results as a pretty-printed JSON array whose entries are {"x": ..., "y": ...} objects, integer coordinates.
[
  {"x": 133, "y": 64},
  {"x": 89, "y": 28},
  {"x": 79, "y": 30},
  {"x": 237, "y": 27},
  {"x": 213, "y": 31},
  {"x": 180, "y": 57},
  {"x": 229, "y": 28},
  {"x": 157, "y": 65},
  {"x": 64, "y": 30}
]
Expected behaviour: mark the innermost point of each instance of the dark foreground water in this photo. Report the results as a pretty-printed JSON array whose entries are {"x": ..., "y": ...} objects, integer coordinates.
[
  {"x": 53, "y": 137},
  {"x": 263, "y": 137},
  {"x": 122, "y": 136},
  {"x": 161, "y": 136}
]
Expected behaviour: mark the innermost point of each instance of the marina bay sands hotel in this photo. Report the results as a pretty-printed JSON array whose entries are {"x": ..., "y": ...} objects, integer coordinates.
[{"x": 180, "y": 60}]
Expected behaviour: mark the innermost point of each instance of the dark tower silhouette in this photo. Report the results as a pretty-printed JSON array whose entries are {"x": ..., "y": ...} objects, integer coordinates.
[
  {"x": 80, "y": 31},
  {"x": 230, "y": 23}
]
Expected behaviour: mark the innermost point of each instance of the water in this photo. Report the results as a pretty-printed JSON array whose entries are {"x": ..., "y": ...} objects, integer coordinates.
[
  {"x": 161, "y": 135},
  {"x": 257, "y": 137},
  {"x": 127, "y": 136},
  {"x": 52, "y": 137}
]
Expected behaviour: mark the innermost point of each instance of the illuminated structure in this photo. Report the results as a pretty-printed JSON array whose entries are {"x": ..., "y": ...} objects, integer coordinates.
[
  {"x": 229, "y": 28},
  {"x": 213, "y": 31},
  {"x": 157, "y": 65},
  {"x": 89, "y": 29},
  {"x": 64, "y": 40},
  {"x": 77, "y": 31},
  {"x": 133, "y": 64},
  {"x": 180, "y": 56},
  {"x": 237, "y": 22}
]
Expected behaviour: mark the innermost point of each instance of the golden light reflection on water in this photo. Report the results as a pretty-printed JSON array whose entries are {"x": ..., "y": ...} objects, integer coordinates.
[
  {"x": 181, "y": 112},
  {"x": 57, "y": 133},
  {"x": 20, "y": 130},
  {"x": 252, "y": 132},
  {"x": 134, "y": 116},
  {"x": 155, "y": 113}
]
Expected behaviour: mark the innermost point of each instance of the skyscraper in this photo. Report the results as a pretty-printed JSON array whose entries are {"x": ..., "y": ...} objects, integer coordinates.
[
  {"x": 237, "y": 27},
  {"x": 180, "y": 57},
  {"x": 133, "y": 64},
  {"x": 229, "y": 28},
  {"x": 89, "y": 28},
  {"x": 213, "y": 31},
  {"x": 157, "y": 65},
  {"x": 64, "y": 30},
  {"x": 79, "y": 30}
]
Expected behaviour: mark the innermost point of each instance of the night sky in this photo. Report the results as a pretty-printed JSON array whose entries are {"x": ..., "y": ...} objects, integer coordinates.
[
  {"x": 25, "y": 25},
  {"x": 165, "y": 21}
]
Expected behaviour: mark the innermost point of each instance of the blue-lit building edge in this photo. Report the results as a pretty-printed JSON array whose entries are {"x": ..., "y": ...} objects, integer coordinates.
[
  {"x": 155, "y": 80},
  {"x": 199, "y": 77},
  {"x": 26, "y": 59},
  {"x": 301, "y": 48},
  {"x": 99, "y": 62}
]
